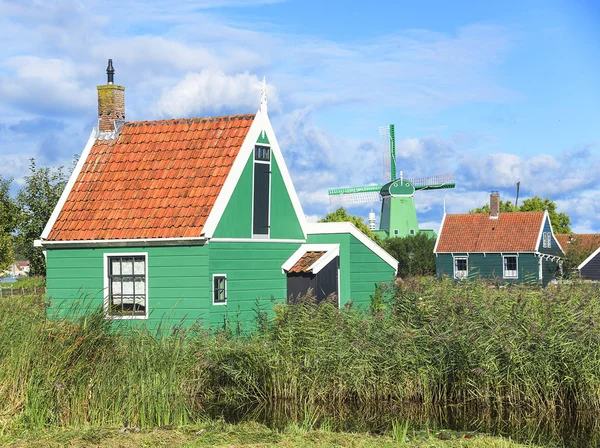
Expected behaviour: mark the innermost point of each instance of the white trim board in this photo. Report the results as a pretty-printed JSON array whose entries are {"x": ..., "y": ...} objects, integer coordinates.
[
  {"x": 348, "y": 227},
  {"x": 133, "y": 242},
  {"x": 437, "y": 240},
  {"x": 65, "y": 194},
  {"x": 332, "y": 251}
]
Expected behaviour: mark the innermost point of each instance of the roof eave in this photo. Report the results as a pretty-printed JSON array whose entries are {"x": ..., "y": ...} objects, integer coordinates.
[{"x": 134, "y": 242}]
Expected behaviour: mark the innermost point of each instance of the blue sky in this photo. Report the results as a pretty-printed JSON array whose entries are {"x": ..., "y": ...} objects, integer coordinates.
[{"x": 496, "y": 92}]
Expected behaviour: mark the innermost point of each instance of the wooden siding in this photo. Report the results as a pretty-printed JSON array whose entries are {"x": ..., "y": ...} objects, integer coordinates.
[
  {"x": 176, "y": 287},
  {"x": 591, "y": 271},
  {"x": 491, "y": 266},
  {"x": 236, "y": 221},
  {"x": 253, "y": 273}
]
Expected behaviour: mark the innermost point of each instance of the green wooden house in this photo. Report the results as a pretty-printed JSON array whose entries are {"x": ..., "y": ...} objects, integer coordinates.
[
  {"x": 511, "y": 247},
  {"x": 194, "y": 219}
]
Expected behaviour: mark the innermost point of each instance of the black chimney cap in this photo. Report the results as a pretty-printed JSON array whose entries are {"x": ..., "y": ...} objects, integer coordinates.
[{"x": 110, "y": 71}]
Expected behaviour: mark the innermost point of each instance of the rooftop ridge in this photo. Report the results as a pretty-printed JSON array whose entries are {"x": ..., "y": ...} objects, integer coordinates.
[{"x": 188, "y": 120}]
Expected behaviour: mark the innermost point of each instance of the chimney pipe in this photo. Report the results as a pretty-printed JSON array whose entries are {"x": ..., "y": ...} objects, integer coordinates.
[
  {"x": 111, "y": 103},
  {"x": 110, "y": 71},
  {"x": 494, "y": 205}
]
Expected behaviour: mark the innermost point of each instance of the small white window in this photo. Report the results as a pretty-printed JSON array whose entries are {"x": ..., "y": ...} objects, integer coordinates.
[
  {"x": 412, "y": 231},
  {"x": 396, "y": 232},
  {"x": 547, "y": 240},
  {"x": 461, "y": 267},
  {"x": 219, "y": 289},
  {"x": 510, "y": 266}
]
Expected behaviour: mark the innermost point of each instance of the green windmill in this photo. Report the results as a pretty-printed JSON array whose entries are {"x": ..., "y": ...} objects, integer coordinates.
[{"x": 398, "y": 214}]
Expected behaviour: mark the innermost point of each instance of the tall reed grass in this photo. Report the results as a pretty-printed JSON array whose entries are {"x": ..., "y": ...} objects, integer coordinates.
[{"x": 422, "y": 340}]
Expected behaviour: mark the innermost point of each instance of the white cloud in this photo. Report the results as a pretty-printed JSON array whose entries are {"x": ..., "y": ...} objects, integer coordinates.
[{"x": 211, "y": 90}]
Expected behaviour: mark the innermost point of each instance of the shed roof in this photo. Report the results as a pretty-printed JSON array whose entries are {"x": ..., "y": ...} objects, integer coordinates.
[
  {"x": 157, "y": 179},
  {"x": 477, "y": 232},
  {"x": 306, "y": 261}
]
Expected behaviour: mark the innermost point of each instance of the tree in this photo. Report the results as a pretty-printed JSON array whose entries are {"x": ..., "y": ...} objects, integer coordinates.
[
  {"x": 36, "y": 201},
  {"x": 9, "y": 214},
  {"x": 421, "y": 246},
  {"x": 341, "y": 215},
  {"x": 577, "y": 250},
  {"x": 560, "y": 221}
]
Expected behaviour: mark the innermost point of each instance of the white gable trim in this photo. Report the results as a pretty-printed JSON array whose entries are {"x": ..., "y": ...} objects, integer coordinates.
[
  {"x": 261, "y": 122},
  {"x": 539, "y": 239},
  {"x": 348, "y": 227},
  {"x": 588, "y": 259},
  {"x": 332, "y": 251},
  {"x": 70, "y": 183},
  {"x": 437, "y": 240}
]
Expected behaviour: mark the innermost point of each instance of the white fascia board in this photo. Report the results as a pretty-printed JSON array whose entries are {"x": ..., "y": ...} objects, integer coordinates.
[
  {"x": 539, "y": 238},
  {"x": 348, "y": 227},
  {"x": 554, "y": 236},
  {"x": 325, "y": 259},
  {"x": 588, "y": 259},
  {"x": 70, "y": 183},
  {"x": 256, "y": 240},
  {"x": 263, "y": 118},
  {"x": 232, "y": 178},
  {"x": 437, "y": 240},
  {"x": 333, "y": 248},
  {"x": 133, "y": 242}
]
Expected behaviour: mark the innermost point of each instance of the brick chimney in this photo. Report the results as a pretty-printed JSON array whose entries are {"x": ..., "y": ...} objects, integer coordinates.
[
  {"x": 494, "y": 205},
  {"x": 111, "y": 102}
]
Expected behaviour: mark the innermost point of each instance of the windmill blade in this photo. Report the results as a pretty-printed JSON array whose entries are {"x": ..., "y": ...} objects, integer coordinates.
[
  {"x": 384, "y": 134},
  {"x": 354, "y": 195},
  {"x": 433, "y": 182}
]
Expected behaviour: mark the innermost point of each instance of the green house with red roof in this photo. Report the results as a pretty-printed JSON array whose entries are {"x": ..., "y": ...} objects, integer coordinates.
[
  {"x": 515, "y": 247},
  {"x": 194, "y": 219}
]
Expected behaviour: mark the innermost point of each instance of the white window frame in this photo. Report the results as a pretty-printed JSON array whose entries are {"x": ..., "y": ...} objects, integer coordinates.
[
  {"x": 212, "y": 289},
  {"x": 547, "y": 240},
  {"x": 504, "y": 271},
  {"x": 456, "y": 275},
  {"x": 265, "y": 162},
  {"x": 108, "y": 255}
]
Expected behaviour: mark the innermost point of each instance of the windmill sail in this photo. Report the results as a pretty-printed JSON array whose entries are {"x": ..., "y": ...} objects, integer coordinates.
[
  {"x": 354, "y": 195},
  {"x": 433, "y": 182},
  {"x": 384, "y": 133}
]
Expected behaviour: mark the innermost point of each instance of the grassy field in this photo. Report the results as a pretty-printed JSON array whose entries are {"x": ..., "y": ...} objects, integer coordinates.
[
  {"x": 422, "y": 341},
  {"x": 215, "y": 434}
]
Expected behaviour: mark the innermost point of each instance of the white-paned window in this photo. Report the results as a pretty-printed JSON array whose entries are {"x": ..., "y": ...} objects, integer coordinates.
[
  {"x": 461, "y": 267},
  {"x": 510, "y": 266},
  {"x": 547, "y": 240},
  {"x": 127, "y": 286},
  {"x": 219, "y": 289}
]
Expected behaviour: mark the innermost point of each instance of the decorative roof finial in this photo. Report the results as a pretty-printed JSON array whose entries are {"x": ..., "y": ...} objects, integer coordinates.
[
  {"x": 110, "y": 71},
  {"x": 263, "y": 96}
]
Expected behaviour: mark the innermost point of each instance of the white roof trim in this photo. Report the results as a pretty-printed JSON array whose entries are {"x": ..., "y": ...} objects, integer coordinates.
[
  {"x": 123, "y": 242},
  {"x": 348, "y": 227},
  {"x": 437, "y": 240},
  {"x": 332, "y": 251},
  {"x": 70, "y": 183},
  {"x": 261, "y": 123},
  {"x": 588, "y": 259}
]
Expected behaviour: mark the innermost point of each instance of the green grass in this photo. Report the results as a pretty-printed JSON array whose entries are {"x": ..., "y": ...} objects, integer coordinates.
[
  {"x": 248, "y": 434},
  {"x": 423, "y": 341}
]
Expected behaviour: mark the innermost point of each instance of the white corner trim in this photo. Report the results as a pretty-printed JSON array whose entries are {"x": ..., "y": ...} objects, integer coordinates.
[
  {"x": 588, "y": 259},
  {"x": 437, "y": 240},
  {"x": 232, "y": 179},
  {"x": 333, "y": 250},
  {"x": 107, "y": 289},
  {"x": 540, "y": 233},
  {"x": 348, "y": 227},
  {"x": 70, "y": 183}
]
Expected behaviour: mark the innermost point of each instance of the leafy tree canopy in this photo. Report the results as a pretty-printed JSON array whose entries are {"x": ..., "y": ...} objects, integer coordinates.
[
  {"x": 421, "y": 246},
  {"x": 36, "y": 200},
  {"x": 341, "y": 215},
  {"x": 9, "y": 216},
  {"x": 561, "y": 222}
]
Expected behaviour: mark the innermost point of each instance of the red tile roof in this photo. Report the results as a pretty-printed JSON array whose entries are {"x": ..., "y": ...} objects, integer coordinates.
[
  {"x": 587, "y": 241},
  {"x": 157, "y": 179},
  {"x": 476, "y": 232},
  {"x": 306, "y": 261}
]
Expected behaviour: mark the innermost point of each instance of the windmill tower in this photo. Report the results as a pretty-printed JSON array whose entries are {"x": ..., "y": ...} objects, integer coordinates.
[{"x": 398, "y": 213}]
